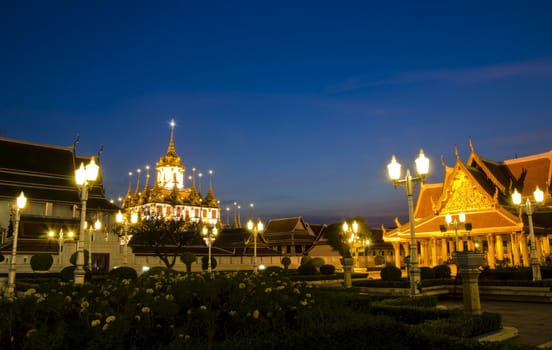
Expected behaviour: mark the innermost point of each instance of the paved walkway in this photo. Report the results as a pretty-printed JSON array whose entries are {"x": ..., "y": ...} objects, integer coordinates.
[{"x": 532, "y": 320}]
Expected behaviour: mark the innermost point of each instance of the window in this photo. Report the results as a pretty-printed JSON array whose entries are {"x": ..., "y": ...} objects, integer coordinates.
[{"x": 48, "y": 208}]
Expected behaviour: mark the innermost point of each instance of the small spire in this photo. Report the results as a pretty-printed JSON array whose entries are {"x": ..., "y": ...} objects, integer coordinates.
[
  {"x": 137, "y": 191},
  {"x": 471, "y": 145},
  {"x": 456, "y": 152},
  {"x": 171, "y": 140},
  {"x": 146, "y": 185}
]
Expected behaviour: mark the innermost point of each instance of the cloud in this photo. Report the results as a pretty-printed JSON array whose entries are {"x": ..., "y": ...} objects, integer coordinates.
[{"x": 451, "y": 75}]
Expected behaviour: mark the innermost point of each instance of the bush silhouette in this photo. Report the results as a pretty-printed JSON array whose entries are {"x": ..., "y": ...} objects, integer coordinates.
[
  {"x": 41, "y": 262},
  {"x": 391, "y": 273},
  {"x": 123, "y": 272},
  {"x": 327, "y": 269}
]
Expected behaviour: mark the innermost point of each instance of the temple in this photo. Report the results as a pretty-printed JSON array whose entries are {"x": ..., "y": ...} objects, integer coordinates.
[
  {"x": 169, "y": 197},
  {"x": 472, "y": 209}
]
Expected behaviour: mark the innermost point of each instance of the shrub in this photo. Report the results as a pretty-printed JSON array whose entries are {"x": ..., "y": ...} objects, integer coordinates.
[
  {"x": 188, "y": 259},
  {"x": 391, "y": 273},
  {"x": 426, "y": 273},
  {"x": 123, "y": 272},
  {"x": 286, "y": 261},
  {"x": 327, "y": 269},
  {"x": 305, "y": 260},
  {"x": 273, "y": 269},
  {"x": 307, "y": 269},
  {"x": 73, "y": 258},
  {"x": 67, "y": 274},
  {"x": 204, "y": 263},
  {"x": 317, "y": 262},
  {"x": 441, "y": 271},
  {"x": 41, "y": 262},
  {"x": 379, "y": 260}
]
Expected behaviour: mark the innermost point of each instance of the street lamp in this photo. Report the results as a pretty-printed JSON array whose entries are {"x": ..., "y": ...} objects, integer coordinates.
[
  {"x": 209, "y": 236},
  {"x": 61, "y": 240},
  {"x": 350, "y": 233},
  {"x": 97, "y": 226},
  {"x": 21, "y": 202},
  {"x": 84, "y": 176},
  {"x": 529, "y": 209},
  {"x": 121, "y": 219},
  {"x": 255, "y": 230},
  {"x": 461, "y": 221},
  {"x": 408, "y": 183}
]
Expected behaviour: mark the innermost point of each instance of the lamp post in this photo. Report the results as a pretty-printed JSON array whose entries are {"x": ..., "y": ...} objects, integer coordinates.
[
  {"x": 97, "y": 226},
  {"x": 122, "y": 219},
  {"x": 84, "y": 176},
  {"x": 529, "y": 210},
  {"x": 209, "y": 236},
  {"x": 21, "y": 202},
  {"x": 351, "y": 235},
  {"x": 255, "y": 230},
  {"x": 408, "y": 184},
  {"x": 456, "y": 222},
  {"x": 61, "y": 240}
]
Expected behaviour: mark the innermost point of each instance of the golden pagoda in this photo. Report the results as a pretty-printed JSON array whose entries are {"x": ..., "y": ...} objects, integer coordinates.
[{"x": 169, "y": 197}]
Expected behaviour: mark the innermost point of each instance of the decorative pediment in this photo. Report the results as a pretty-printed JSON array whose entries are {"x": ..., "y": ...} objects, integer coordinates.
[{"x": 464, "y": 195}]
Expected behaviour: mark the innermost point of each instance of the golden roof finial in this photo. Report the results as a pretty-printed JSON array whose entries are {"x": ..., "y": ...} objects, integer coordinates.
[
  {"x": 471, "y": 145},
  {"x": 456, "y": 152},
  {"x": 171, "y": 140}
]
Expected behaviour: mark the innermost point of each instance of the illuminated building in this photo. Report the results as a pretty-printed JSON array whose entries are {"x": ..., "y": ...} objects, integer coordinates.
[
  {"x": 478, "y": 193},
  {"x": 171, "y": 196}
]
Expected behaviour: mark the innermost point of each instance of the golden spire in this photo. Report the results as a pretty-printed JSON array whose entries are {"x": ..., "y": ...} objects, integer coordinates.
[
  {"x": 171, "y": 140},
  {"x": 171, "y": 158},
  {"x": 210, "y": 198},
  {"x": 128, "y": 198}
]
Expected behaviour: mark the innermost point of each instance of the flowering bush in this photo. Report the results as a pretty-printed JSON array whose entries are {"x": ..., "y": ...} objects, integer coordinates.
[{"x": 157, "y": 310}]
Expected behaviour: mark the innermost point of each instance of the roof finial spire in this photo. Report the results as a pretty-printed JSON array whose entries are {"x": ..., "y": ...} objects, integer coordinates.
[
  {"x": 471, "y": 145},
  {"x": 456, "y": 152},
  {"x": 171, "y": 140}
]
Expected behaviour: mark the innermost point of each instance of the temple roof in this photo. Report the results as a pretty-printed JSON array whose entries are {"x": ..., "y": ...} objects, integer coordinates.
[
  {"x": 481, "y": 188},
  {"x": 45, "y": 173},
  {"x": 288, "y": 230}
]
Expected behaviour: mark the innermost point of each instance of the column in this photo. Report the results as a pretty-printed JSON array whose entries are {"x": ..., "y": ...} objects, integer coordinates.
[
  {"x": 499, "y": 248},
  {"x": 491, "y": 257},
  {"x": 434, "y": 252},
  {"x": 397, "y": 251},
  {"x": 514, "y": 244},
  {"x": 444, "y": 252}
]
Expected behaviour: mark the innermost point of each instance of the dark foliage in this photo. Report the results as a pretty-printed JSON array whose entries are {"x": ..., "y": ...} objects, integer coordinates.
[
  {"x": 123, "y": 272},
  {"x": 391, "y": 273},
  {"x": 41, "y": 262}
]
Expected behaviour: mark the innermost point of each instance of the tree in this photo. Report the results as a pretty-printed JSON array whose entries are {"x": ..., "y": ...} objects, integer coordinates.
[
  {"x": 336, "y": 239},
  {"x": 286, "y": 261},
  {"x": 165, "y": 237},
  {"x": 188, "y": 259}
]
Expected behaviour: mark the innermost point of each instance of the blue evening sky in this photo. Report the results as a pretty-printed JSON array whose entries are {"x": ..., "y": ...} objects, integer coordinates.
[{"x": 297, "y": 106}]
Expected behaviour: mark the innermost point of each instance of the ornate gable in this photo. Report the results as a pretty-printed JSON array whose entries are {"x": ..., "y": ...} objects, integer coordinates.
[{"x": 463, "y": 193}]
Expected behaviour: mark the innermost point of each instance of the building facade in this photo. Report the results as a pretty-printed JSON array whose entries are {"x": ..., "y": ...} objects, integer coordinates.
[
  {"x": 50, "y": 222},
  {"x": 481, "y": 191}
]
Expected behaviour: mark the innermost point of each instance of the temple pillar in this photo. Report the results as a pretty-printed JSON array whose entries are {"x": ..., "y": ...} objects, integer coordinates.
[
  {"x": 523, "y": 247},
  {"x": 491, "y": 258},
  {"x": 434, "y": 252},
  {"x": 421, "y": 252},
  {"x": 499, "y": 248},
  {"x": 397, "y": 251},
  {"x": 444, "y": 251},
  {"x": 545, "y": 248}
]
